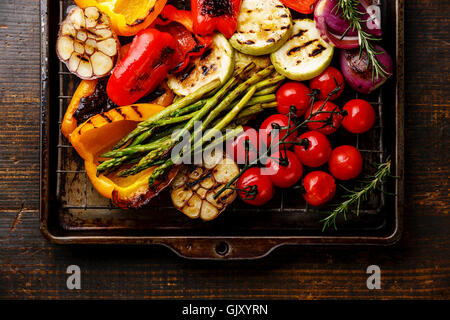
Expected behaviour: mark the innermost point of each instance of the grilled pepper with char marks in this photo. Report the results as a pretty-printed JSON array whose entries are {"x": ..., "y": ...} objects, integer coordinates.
[
  {"x": 98, "y": 135},
  {"x": 145, "y": 66},
  {"x": 220, "y": 15}
]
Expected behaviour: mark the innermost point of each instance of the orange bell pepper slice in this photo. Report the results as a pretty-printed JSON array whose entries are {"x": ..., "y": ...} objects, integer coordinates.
[
  {"x": 128, "y": 17},
  {"x": 98, "y": 135}
]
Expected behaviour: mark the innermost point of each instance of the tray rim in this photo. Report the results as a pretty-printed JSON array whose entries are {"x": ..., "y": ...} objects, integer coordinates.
[{"x": 237, "y": 247}]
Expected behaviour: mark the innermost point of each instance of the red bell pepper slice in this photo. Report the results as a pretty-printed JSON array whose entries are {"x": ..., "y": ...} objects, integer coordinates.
[
  {"x": 220, "y": 15},
  {"x": 302, "y": 6},
  {"x": 179, "y": 24},
  {"x": 143, "y": 68}
]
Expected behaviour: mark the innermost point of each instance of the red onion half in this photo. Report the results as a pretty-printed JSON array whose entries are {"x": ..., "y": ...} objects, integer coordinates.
[
  {"x": 332, "y": 26},
  {"x": 357, "y": 72}
]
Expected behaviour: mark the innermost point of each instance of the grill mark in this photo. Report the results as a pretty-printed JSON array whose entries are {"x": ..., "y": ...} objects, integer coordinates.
[
  {"x": 317, "y": 50},
  {"x": 186, "y": 74},
  {"x": 206, "y": 69},
  {"x": 296, "y": 49},
  {"x": 249, "y": 42},
  {"x": 135, "y": 23},
  {"x": 119, "y": 111},
  {"x": 136, "y": 109},
  {"x": 106, "y": 117},
  {"x": 206, "y": 54},
  {"x": 300, "y": 33},
  {"x": 166, "y": 53},
  {"x": 270, "y": 40},
  {"x": 284, "y": 15}
]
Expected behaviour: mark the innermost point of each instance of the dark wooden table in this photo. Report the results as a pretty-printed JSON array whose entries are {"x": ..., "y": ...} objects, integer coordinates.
[{"x": 417, "y": 267}]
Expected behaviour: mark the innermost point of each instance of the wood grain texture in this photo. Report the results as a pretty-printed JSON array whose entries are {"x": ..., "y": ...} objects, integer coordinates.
[{"x": 417, "y": 267}]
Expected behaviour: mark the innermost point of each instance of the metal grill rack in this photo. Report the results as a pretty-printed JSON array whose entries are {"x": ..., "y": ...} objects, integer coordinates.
[{"x": 82, "y": 207}]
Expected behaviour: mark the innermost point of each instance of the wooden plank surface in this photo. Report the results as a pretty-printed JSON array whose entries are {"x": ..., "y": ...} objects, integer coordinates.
[{"x": 417, "y": 267}]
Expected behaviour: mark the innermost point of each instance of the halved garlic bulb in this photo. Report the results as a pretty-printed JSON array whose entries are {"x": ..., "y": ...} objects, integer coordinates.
[
  {"x": 193, "y": 189},
  {"x": 86, "y": 43}
]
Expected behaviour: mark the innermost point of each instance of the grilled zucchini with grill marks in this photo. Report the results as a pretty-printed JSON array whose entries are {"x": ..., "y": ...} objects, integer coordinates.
[
  {"x": 263, "y": 26},
  {"x": 305, "y": 55},
  {"x": 217, "y": 62}
]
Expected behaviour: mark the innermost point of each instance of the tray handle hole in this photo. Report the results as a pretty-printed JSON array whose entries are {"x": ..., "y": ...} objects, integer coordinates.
[{"x": 222, "y": 248}]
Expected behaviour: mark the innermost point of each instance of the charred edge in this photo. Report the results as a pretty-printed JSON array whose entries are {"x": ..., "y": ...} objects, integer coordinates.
[
  {"x": 249, "y": 42},
  {"x": 270, "y": 40},
  {"x": 83, "y": 58},
  {"x": 136, "y": 109},
  {"x": 186, "y": 74},
  {"x": 279, "y": 6},
  {"x": 284, "y": 15},
  {"x": 296, "y": 49},
  {"x": 285, "y": 27},
  {"x": 217, "y": 8},
  {"x": 317, "y": 50}
]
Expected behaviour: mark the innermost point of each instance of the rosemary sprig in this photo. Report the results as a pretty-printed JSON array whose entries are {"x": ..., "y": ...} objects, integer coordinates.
[
  {"x": 351, "y": 13},
  {"x": 358, "y": 195}
]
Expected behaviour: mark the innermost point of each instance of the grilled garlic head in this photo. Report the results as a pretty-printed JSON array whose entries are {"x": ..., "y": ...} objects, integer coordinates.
[
  {"x": 86, "y": 43},
  {"x": 193, "y": 189}
]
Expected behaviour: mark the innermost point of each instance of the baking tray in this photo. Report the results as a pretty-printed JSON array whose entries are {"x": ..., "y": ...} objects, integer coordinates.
[{"x": 71, "y": 212}]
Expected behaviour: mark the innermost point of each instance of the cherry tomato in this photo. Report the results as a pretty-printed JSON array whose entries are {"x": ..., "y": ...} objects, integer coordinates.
[
  {"x": 281, "y": 120},
  {"x": 320, "y": 188},
  {"x": 326, "y": 83},
  {"x": 293, "y": 94},
  {"x": 316, "y": 152},
  {"x": 345, "y": 162},
  {"x": 360, "y": 116},
  {"x": 236, "y": 147},
  {"x": 283, "y": 169},
  {"x": 323, "y": 127},
  {"x": 255, "y": 188}
]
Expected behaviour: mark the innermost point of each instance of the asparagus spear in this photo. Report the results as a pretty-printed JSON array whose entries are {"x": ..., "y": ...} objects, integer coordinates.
[{"x": 184, "y": 102}]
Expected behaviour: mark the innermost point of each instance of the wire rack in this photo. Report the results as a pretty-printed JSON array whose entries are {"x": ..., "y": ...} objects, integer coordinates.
[{"x": 83, "y": 207}]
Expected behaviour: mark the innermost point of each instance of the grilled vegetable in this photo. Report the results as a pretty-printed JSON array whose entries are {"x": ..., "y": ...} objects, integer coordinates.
[
  {"x": 179, "y": 24},
  {"x": 242, "y": 60},
  {"x": 263, "y": 27},
  {"x": 210, "y": 15},
  {"x": 143, "y": 68},
  {"x": 217, "y": 62},
  {"x": 305, "y": 55},
  {"x": 85, "y": 89},
  {"x": 97, "y": 135},
  {"x": 128, "y": 17},
  {"x": 86, "y": 43},
  {"x": 193, "y": 189}
]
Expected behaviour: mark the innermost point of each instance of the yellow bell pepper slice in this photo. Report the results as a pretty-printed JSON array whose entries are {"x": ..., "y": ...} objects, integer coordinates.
[
  {"x": 128, "y": 17},
  {"x": 98, "y": 135}
]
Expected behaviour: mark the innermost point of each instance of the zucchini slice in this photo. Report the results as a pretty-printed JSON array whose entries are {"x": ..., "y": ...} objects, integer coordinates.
[
  {"x": 217, "y": 62},
  {"x": 263, "y": 27},
  {"x": 242, "y": 60},
  {"x": 305, "y": 55}
]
